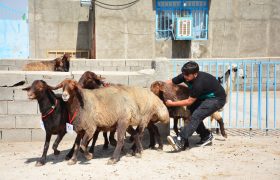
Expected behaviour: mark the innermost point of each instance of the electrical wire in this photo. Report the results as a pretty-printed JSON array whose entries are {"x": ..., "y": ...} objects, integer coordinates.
[
  {"x": 106, "y": 4},
  {"x": 108, "y": 8}
]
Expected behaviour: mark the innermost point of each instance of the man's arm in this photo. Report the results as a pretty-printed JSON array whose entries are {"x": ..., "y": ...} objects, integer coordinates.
[
  {"x": 185, "y": 102},
  {"x": 169, "y": 81}
]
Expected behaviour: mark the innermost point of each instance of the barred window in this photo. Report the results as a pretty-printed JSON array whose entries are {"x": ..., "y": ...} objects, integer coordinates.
[{"x": 182, "y": 19}]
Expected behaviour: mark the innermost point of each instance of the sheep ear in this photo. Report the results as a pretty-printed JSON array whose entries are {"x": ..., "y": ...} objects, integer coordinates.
[
  {"x": 161, "y": 86},
  {"x": 56, "y": 87},
  {"x": 27, "y": 88}
]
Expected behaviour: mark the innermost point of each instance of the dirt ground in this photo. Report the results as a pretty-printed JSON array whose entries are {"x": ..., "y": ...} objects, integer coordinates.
[{"x": 238, "y": 157}]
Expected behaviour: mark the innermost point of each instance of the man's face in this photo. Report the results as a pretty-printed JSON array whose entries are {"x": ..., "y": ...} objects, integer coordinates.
[{"x": 190, "y": 77}]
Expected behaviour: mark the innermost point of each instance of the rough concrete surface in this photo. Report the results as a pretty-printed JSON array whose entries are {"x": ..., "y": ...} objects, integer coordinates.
[{"x": 239, "y": 157}]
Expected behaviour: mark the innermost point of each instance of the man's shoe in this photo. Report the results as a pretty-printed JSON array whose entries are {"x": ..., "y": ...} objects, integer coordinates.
[
  {"x": 176, "y": 142},
  {"x": 206, "y": 140}
]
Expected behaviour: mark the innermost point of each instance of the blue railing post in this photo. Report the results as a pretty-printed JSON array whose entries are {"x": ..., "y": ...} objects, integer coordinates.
[
  {"x": 251, "y": 93},
  {"x": 275, "y": 85},
  {"x": 267, "y": 98},
  {"x": 260, "y": 96},
  {"x": 244, "y": 93},
  {"x": 230, "y": 103}
]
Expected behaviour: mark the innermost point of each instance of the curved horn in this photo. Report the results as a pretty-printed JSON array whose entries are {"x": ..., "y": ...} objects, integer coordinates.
[{"x": 60, "y": 85}]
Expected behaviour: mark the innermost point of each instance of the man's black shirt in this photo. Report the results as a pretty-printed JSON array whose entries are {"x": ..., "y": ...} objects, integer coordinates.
[{"x": 204, "y": 86}]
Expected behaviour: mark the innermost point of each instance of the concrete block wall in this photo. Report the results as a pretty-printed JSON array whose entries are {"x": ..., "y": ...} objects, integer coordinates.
[{"x": 20, "y": 117}]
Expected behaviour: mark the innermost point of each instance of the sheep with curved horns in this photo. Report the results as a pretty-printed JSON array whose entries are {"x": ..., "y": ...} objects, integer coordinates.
[{"x": 112, "y": 107}]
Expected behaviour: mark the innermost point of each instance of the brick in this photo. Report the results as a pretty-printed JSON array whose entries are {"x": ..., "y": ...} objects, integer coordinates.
[
  {"x": 105, "y": 63},
  {"x": 121, "y": 79},
  {"x": 28, "y": 121},
  {"x": 123, "y": 68},
  {"x": 140, "y": 80},
  {"x": 3, "y": 107},
  {"x": 78, "y": 63},
  {"x": 15, "y": 68},
  {"x": 19, "y": 94},
  {"x": 6, "y": 94},
  {"x": 22, "y": 107},
  {"x": 92, "y": 63},
  {"x": 118, "y": 63},
  {"x": 97, "y": 68},
  {"x": 131, "y": 63},
  {"x": 4, "y": 68},
  {"x": 110, "y": 68},
  {"x": 7, "y": 121},
  {"x": 8, "y": 62},
  {"x": 38, "y": 135},
  {"x": 147, "y": 63},
  {"x": 51, "y": 78},
  {"x": 136, "y": 68},
  {"x": 16, "y": 135}
]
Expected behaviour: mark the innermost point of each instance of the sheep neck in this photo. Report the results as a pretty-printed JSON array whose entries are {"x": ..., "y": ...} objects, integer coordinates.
[
  {"x": 73, "y": 106},
  {"x": 46, "y": 102}
]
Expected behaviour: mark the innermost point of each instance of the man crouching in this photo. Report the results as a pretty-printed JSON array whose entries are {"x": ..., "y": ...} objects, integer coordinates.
[{"x": 206, "y": 97}]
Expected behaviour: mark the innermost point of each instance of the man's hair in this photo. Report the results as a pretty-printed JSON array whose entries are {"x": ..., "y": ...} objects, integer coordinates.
[{"x": 190, "y": 67}]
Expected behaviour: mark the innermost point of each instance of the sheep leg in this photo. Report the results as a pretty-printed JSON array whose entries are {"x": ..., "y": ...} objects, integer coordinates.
[
  {"x": 42, "y": 160},
  {"x": 76, "y": 148},
  {"x": 112, "y": 139},
  {"x": 121, "y": 129},
  {"x": 156, "y": 135},
  {"x": 106, "y": 141},
  {"x": 94, "y": 139},
  {"x": 132, "y": 133},
  {"x": 57, "y": 141},
  {"x": 220, "y": 121},
  {"x": 175, "y": 125},
  {"x": 152, "y": 136},
  {"x": 84, "y": 144}
]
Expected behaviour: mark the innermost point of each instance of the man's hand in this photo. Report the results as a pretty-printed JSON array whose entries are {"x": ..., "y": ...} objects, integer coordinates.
[{"x": 169, "y": 103}]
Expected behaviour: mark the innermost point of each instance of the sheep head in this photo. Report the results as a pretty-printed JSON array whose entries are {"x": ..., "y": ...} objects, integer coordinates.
[
  {"x": 90, "y": 80},
  {"x": 37, "y": 89},
  {"x": 70, "y": 89},
  {"x": 59, "y": 65},
  {"x": 157, "y": 87}
]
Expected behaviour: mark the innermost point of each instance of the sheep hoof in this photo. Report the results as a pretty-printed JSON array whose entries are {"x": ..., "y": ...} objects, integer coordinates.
[
  {"x": 152, "y": 147},
  {"x": 160, "y": 149},
  {"x": 224, "y": 135},
  {"x": 88, "y": 156},
  {"x": 39, "y": 163},
  {"x": 56, "y": 152},
  {"x": 138, "y": 155},
  {"x": 112, "y": 161},
  {"x": 72, "y": 162}
]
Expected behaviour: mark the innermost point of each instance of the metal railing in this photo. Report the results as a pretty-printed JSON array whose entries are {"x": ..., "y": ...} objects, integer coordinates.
[{"x": 253, "y": 96}]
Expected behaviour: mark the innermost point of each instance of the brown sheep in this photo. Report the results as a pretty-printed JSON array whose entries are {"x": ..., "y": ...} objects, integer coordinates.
[
  {"x": 89, "y": 80},
  {"x": 179, "y": 92},
  {"x": 58, "y": 64},
  {"x": 112, "y": 107}
]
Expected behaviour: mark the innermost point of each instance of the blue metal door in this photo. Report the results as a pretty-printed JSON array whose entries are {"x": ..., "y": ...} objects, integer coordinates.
[{"x": 14, "y": 33}]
